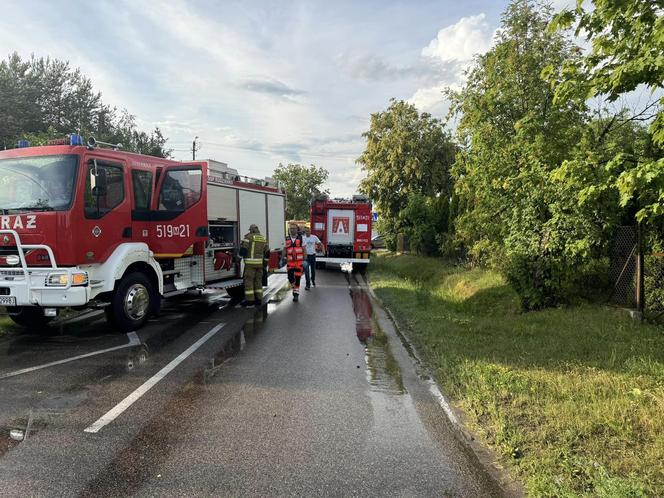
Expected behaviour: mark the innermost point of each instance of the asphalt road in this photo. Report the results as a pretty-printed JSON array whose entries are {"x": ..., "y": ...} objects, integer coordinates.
[{"x": 293, "y": 399}]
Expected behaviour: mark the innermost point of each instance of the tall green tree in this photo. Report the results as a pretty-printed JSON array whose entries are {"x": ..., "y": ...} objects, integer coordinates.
[
  {"x": 514, "y": 136},
  {"x": 407, "y": 154},
  {"x": 46, "y": 98},
  {"x": 301, "y": 184},
  {"x": 627, "y": 38}
]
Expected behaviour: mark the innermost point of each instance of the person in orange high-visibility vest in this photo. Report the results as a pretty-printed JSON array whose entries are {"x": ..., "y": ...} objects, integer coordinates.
[{"x": 294, "y": 254}]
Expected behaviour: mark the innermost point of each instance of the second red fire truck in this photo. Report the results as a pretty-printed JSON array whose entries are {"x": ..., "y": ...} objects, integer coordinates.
[
  {"x": 83, "y": 226},
  {"x": 344, "y": 228}
]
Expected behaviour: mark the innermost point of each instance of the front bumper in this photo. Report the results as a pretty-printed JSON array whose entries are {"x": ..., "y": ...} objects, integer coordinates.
[
  {"x": 29, "y": 289},
  {"x": 22, "y": 285}
]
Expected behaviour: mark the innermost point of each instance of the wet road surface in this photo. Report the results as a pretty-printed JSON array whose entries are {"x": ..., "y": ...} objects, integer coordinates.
[{"x": 293, "y": 399}]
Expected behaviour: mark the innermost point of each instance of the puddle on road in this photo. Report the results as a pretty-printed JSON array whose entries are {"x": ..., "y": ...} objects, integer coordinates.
[
  {"x": 52, "y": 407},
  {"x": 236, "y": 344},
  {"x": 383, "y": 370},
  {"x": 137, "y": 357},
  {"x": 6, "y": 443},
  {"x": 154, "y": 443}
]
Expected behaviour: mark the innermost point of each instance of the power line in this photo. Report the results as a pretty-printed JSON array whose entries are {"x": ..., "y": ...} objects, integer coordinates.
[{"x": 267, "y": 150}]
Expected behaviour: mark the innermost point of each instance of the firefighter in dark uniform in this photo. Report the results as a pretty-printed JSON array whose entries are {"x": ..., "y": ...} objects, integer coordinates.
[
  {"x": 294, "y": 254},
  {"x": 254, "y": 250}
]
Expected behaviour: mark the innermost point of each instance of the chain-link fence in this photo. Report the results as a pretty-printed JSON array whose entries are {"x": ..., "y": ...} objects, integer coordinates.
[
  {"x": 637, "y": 273},
  {"x": 622, "y": 271}
]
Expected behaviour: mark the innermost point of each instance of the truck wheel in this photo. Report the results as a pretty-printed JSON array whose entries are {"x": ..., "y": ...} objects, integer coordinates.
[
  {"x": 132, "y": 303},
  {"x": 236, "y": 292},
  {"x": 30, "y": 317}
]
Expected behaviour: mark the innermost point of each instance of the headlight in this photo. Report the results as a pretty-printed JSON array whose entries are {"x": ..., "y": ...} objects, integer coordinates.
[
  {"x": 62, "y": 279},
  {"x": 12, "y": 260},
  {"x": 57, "y": 279}
]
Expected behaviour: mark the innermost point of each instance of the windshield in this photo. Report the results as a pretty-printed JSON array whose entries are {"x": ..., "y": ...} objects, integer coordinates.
[{"x": 43, "y": 183}]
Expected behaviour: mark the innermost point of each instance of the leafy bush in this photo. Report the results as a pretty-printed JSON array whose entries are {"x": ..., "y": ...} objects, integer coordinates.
[
  {"x": 422, "y": 220},
  {"x": 389, "y": 233},
  {"x": 653, "y": 282},
  {"x": 539, "y": 282}
]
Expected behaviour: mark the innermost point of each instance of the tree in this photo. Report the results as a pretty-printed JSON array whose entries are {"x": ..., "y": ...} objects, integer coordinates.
[
  {"x": 407, "y": 154},
  {"x": 514, "y": 136},
  {"x": 301, "y": 184},
  {"x": 627, "y": 39},
  {"x": 122, "y": 129},
  {"x": 424, "y": 221},
  {"x": 45, "y": 98}
]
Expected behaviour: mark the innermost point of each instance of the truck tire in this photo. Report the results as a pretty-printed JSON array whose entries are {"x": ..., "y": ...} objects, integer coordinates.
[
  {"x": 133, "y": 301},
  {"x": 30, "y": 317},
  {"x": 236, "y": 292}
]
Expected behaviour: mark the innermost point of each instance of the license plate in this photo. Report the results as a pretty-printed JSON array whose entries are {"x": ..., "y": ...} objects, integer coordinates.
[
  {"x": 7, "y": 301},
  {"x": 347, "y": 266}
]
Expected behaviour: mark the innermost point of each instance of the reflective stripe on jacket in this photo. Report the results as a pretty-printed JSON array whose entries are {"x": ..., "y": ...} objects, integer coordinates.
[
  {"x": 256, "y": 246},
  {"x": 294, "y": 252}
]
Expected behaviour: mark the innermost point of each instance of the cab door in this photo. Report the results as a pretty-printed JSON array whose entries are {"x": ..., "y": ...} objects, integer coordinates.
[
  {"x": 106, "y": 221},
  {"x": 178, "y": 217},
  {"x": 143, "y": 188}
]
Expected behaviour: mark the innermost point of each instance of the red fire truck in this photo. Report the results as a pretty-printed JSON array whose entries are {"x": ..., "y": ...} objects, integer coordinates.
[
  {"x": 86, "y": 226},
  {"x": 344, "y": 228}
]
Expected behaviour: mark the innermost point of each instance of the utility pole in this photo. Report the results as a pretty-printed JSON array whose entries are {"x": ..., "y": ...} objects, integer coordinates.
[{"x": 193, "y": 150}]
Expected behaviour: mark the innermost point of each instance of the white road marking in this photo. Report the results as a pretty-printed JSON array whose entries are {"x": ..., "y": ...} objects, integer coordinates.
[
  {"x": 435, "y": 391},
  {"x": 275, "y": 286},
  {"x": 150, "y": 383},
  {"x": 133, "y": 341}
]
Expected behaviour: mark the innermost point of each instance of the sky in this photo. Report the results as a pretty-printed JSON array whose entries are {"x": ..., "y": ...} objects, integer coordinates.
[{"x": 261, "y": 82}]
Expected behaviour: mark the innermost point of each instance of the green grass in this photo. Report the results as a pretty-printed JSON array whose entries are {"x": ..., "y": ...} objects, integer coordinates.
[
  {"x": 572, "y": 397},
  {"x": 6, "y": 324}
]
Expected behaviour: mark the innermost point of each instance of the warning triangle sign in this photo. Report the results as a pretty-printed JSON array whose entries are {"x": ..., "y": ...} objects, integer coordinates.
[{"x": 340, "y": 225}]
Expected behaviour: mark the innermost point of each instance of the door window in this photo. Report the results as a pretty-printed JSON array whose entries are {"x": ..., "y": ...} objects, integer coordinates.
[
  {"x": 104, "y": 189},
  {"x": 180, "y": 190},
  {"x": 142, "y": 184}
]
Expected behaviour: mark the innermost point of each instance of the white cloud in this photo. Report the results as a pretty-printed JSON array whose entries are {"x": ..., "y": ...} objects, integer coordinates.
[
  {"x": 259, "y": 83},
  {"x": 425, "y": 98},
  {"x": 461, "y": 41},
  {"x": 454, "y": 45},
  {"x": 431, "y": 100}
]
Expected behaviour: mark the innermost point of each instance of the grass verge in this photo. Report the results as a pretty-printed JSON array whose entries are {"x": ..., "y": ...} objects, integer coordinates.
[
  {"x": 572, "y": 397},
  {"x": 6, "y": 324}
]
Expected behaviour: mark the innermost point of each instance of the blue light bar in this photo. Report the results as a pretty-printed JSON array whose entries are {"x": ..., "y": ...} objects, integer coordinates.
[
  {"x": 23, "y": 144},
  {"x": 75, "y": 139}
]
